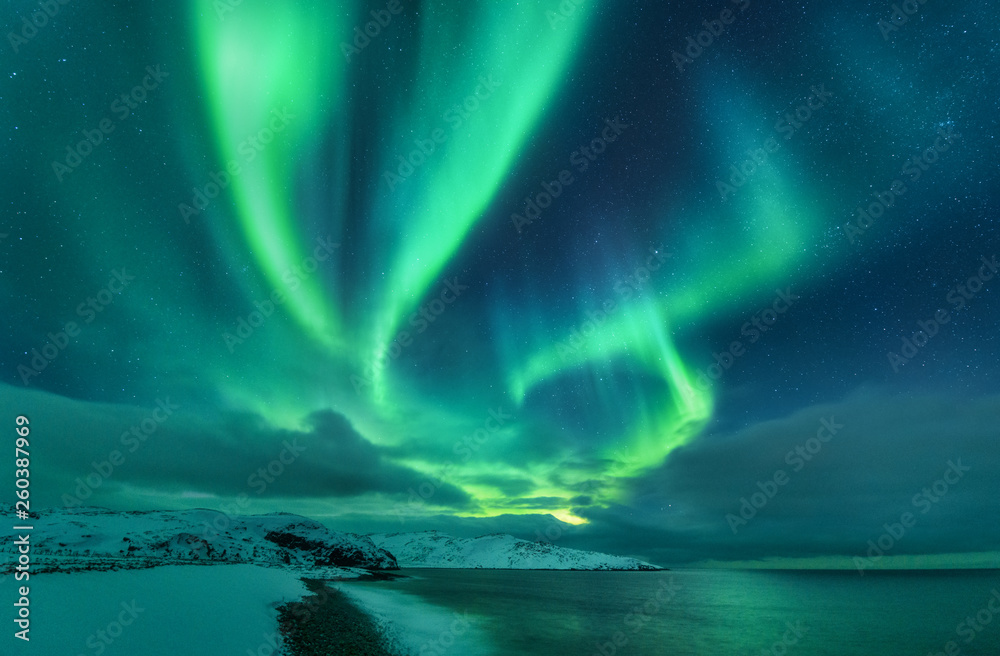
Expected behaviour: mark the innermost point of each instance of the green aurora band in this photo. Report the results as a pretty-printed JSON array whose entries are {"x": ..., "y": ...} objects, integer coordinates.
[
  {"x": 255, "y": 61},
  {"x": 259, "y": 59}
]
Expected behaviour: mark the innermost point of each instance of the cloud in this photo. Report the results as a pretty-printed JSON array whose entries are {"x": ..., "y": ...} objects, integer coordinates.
[
  {"x": 510, "y": 485},
  {"x": 889, "y": 450},
  {"x": 182, "y": 455},
  {"x": 883, "y": 461}
]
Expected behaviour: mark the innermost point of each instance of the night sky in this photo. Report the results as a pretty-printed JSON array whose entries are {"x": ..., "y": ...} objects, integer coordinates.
[{"x": 554, "y": 270}]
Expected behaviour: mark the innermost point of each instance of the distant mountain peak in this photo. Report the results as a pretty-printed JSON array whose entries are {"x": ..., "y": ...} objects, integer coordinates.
[{"x": 433, "y": 549}]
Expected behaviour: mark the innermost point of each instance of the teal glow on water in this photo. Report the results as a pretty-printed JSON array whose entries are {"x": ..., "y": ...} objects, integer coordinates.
[{"x": 718, "y": 612}]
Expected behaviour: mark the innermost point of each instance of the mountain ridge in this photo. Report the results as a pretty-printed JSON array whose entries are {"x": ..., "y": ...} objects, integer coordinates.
[
  {"x": 433, "y": 549},
  {"x": 91, "y": 538},
  {"x": 66, "y": 539}
]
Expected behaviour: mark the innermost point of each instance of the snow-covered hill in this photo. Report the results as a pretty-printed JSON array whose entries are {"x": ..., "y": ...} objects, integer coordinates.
[
  {"x": 497, "y": 551},
  {"x": 94, "y": 538}
]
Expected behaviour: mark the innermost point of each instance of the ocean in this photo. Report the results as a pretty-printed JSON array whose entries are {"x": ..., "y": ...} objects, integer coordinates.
[{"x": 697, "y": 612}]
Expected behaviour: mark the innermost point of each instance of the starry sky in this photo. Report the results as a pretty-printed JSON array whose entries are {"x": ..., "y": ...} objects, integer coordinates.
[{"x": 697, "y": 282}]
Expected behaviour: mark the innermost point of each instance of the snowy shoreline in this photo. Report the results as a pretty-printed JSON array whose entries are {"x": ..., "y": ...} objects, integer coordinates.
[
  {"x": 412, "y": 626},
  {"x": 88, "y": 562}
]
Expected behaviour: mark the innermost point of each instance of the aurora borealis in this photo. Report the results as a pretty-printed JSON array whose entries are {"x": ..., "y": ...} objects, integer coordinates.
[{"x": 499, "y": 263}]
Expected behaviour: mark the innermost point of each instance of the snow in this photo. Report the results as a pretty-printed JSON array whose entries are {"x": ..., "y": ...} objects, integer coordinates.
[
  {"x": 100, "y": 538},
  {"x": 434, "y": 549},
  {"x": 199, "y": 582},
  {"x": 415, "y": 627},
  {"x": 190, "y": 609}
]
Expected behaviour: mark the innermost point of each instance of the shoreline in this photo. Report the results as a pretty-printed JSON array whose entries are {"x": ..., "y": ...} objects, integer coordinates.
[
  {"x": 352, "y": 618},
  {"x": 326, "y": 622},
  {"x": 368, "y": 621}
]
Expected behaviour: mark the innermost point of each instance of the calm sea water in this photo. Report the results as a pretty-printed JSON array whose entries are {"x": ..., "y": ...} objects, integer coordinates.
[{"x": 715, "y": 612}]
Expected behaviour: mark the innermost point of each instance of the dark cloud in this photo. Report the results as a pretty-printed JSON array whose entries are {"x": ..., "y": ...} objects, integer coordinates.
[
  {"x": 533, "y": 502},
  {"x": 528, "y": 526},
  {"x": 235, "y": 454},
  {"x": 506, "y": 484},
  {"x": 886, "y": 452}
]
